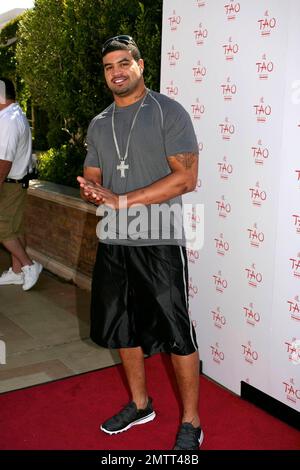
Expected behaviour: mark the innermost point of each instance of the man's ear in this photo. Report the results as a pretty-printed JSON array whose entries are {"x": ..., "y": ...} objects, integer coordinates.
[{"x": 141, "y": 65}]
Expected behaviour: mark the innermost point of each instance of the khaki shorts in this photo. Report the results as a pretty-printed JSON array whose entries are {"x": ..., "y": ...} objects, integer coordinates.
[{"x": 12, "y": 205}]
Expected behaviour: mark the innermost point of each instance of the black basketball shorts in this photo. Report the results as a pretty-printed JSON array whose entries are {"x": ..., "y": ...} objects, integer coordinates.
[{"x": 140, "y": 298}]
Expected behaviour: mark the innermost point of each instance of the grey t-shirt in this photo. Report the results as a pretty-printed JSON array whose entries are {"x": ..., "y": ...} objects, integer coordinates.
[{"x": 163, "y": 128}]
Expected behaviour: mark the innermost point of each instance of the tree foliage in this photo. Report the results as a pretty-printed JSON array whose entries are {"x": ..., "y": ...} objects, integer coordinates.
[
  {"x": 59, "y": 57},
  {"x": 7, "y": 50},
  {"x": 8, "y": 68}
]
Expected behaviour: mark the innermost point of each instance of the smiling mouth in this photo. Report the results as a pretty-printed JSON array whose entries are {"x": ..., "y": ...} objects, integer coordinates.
[{"x": 119, "y": 81}]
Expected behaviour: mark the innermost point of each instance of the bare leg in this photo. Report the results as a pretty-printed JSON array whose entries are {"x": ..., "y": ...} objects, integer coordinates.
[
  {"x": 133, "y": 363},
  {"x": 16, "y": 265},
  {"x": 187, "y": 375},
  {"x": 18, "y": 253}
]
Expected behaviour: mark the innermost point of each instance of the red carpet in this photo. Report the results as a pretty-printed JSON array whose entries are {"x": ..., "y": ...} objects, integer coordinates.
[{"x": 66, "y": 414}]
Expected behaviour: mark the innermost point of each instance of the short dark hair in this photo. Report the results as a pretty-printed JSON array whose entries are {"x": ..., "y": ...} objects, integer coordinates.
[
  {"x": 115, "y": 45},
  {"x": 9, "y": 89}
]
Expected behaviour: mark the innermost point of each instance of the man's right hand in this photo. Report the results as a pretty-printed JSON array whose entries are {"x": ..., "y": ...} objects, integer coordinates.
[{"x": 88, "y": 190}]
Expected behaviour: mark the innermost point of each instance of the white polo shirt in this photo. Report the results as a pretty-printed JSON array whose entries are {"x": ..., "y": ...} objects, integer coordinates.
[{"x": 15, "y": 141}]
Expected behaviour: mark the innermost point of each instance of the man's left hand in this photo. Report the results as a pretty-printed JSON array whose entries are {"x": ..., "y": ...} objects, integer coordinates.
[{"x": 98, "y": 195}]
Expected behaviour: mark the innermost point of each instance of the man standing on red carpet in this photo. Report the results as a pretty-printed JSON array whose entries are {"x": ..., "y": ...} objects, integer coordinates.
[{"x": 142, "y": 156}]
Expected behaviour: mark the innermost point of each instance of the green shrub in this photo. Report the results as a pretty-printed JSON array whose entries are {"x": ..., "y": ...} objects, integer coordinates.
[{"x": 61, "y": 165}]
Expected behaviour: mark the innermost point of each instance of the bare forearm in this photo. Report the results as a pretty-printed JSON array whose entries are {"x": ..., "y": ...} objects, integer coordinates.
[
  {"x": 182, "y": 179},
  {"x": 167, "y": 188},
  {"x": 5, "y": 167}
]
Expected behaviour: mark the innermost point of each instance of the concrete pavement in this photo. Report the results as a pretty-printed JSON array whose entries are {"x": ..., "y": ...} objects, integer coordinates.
[{"x": 46, "y": 332}]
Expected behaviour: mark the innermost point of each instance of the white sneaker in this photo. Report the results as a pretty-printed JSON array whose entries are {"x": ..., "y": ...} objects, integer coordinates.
[
  {"x": 10, "y": 277},
  {"x": 31, "y": 274}
]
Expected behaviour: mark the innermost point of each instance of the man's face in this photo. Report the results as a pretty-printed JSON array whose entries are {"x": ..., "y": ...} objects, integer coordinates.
[{"x": 122, "y": 73}]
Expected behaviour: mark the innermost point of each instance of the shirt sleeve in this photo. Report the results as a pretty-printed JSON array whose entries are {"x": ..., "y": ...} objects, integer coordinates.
[
  {"x": 92, "y": 157},
  {"x": 9, "y": 137},
  {"x": 180, "y": 135}
]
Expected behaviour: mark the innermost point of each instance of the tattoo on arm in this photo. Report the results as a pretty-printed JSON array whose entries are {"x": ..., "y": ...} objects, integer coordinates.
[{"x": 186, "y": 159}]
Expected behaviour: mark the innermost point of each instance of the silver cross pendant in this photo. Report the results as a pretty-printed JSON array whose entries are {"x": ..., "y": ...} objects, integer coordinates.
[{"x": 122, "y": 167}]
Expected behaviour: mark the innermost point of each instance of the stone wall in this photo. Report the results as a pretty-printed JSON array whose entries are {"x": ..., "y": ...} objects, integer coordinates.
[{"x": 61, "y": 231}]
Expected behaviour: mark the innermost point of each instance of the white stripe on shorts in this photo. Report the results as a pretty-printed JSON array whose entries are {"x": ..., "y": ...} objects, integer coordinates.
[{"x": 186, "y": 297}]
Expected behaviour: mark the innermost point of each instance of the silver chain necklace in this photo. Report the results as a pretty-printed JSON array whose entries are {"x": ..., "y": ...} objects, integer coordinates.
[{"x": 123, "y": 166}]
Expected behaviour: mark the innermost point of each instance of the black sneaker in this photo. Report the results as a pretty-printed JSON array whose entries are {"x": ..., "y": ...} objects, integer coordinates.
[
  {"x": 128, "y": 417},
  {"x": 188, "y": 437}
]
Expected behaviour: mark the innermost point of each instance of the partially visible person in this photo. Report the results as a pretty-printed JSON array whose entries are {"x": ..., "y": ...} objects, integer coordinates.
[{"x": 15, "y": 164}]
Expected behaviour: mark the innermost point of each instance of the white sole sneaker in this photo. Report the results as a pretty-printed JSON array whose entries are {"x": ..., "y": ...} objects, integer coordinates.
[
  {"x": 134, "y": 423},
  {"x": 10, "y": 277},
  {"x": 201, "y": 438},
  {"x": 31, "y": 275}
]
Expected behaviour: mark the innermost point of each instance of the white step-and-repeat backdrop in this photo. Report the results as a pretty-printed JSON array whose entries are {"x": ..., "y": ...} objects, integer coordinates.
[{"x": 235, "y": 66}]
